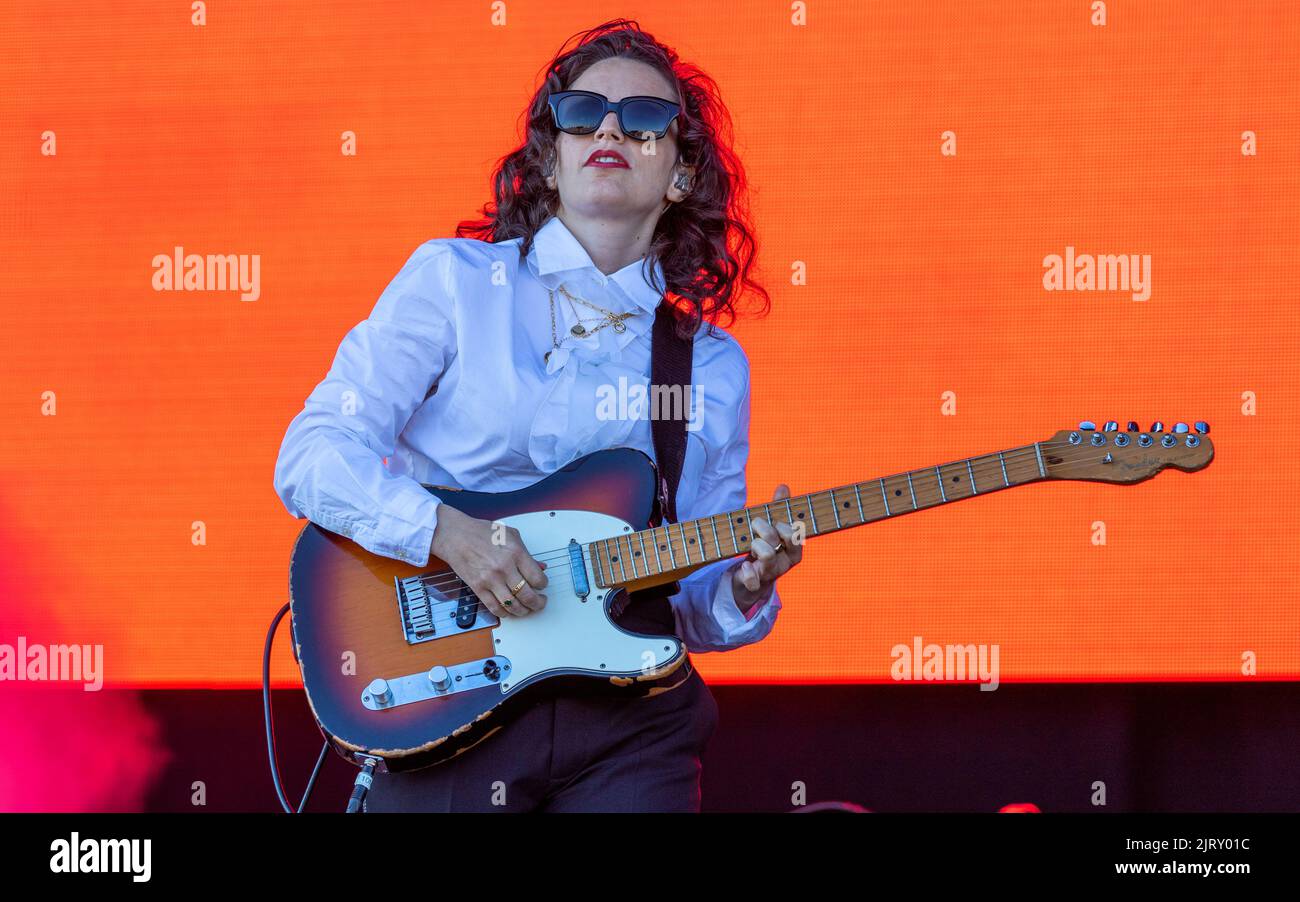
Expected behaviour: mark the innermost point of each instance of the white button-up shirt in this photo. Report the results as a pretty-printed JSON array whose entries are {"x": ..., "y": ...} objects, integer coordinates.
[{"x": 445, "y": 384}]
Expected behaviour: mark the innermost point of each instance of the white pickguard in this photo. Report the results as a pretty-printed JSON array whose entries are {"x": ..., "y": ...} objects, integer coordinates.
[{"x": 570, "y": 634}]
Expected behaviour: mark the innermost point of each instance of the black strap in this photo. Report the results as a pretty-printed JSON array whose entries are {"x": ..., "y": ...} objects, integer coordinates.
[
  {"x": 648, "y": 610},
  {"x": 670, "y": 365}
]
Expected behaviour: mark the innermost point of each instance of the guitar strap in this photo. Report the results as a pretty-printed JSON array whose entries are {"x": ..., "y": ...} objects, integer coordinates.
[
  {"x": 670, "y": 366},
  {"x": 648, "y": 610}
]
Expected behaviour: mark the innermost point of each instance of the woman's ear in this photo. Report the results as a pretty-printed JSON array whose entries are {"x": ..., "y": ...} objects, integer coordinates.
[{"x": 680, "y": 186}]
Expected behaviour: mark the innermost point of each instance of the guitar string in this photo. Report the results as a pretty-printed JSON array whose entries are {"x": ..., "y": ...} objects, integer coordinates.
[
  {"x": 560, "y": 557},
  {"x": 1066, "y": 463},
  {"x": 1015, "y": 455},
  {"x": 558, "y": 560}
]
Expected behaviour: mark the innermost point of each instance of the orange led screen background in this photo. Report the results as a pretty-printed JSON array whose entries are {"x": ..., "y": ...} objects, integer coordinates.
[{"x": 912, "y": 164}]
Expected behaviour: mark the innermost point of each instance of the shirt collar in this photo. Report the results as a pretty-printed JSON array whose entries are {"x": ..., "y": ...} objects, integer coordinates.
[{"x": 556, "y": 253}]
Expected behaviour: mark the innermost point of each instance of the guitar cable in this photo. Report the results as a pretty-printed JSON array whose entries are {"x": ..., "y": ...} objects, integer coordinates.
[{"x": 270, "y": 729}]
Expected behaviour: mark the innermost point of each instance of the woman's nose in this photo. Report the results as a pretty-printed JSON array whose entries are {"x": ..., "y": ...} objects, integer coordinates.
[{"x": 609, "y": 127}]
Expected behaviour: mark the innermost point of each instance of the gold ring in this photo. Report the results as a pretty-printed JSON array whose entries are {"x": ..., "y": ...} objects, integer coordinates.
[{"x": 515, "y": 590}]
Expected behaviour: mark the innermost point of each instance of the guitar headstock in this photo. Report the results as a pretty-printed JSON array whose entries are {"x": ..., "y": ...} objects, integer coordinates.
[{"x": 1109, "y": 455}]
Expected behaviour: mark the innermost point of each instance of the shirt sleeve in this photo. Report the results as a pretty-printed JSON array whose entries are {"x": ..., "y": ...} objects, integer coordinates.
[
  {"x": 705, "y": 608},
  {"x": 331, "y": 466}
]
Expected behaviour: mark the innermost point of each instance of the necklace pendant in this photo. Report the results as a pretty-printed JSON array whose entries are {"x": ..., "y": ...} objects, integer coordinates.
[
  {"x": 619, "y": 326},
  {"x": 579, "y": 330}
]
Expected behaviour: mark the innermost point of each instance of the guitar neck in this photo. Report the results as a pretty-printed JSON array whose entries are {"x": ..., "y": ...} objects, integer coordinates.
[{"x": 654, "y": 556}]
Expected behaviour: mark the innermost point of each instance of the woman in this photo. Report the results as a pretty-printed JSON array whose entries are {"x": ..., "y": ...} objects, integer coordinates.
[{"x": 483, "y": 366}]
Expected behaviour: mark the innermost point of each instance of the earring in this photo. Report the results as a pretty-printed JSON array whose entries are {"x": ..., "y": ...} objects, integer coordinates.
[{"x": 682, "y": 182}]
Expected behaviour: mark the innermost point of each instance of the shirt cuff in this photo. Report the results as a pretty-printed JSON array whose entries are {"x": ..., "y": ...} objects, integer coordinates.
[{"x": 406, "y": 530}]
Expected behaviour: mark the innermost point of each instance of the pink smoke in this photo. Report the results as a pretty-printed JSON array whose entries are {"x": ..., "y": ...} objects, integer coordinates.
[{"x": 66, "y": 749}]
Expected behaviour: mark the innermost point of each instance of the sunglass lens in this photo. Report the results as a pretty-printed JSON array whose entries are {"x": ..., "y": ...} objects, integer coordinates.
[
  {"x": 641, "y": 116},
  {"x": 578, "y": 114}
]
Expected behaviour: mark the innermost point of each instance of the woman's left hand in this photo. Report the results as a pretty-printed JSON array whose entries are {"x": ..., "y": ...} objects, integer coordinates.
[{"x": 773, "y": 552}]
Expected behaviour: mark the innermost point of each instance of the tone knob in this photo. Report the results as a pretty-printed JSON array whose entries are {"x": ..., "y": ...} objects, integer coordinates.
[
  {"x": 439, "y": 677},
  {"x": 379, "y": 691}
]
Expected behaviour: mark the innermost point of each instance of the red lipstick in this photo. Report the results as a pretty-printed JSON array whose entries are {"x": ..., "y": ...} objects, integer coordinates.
[{"x": 607, "y": 158}]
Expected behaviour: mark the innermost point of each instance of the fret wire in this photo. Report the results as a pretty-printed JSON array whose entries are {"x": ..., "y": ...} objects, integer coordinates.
[
  {"x": 686, "y": 551},
  {"x": 713, "y": 524},
  {"x": 813, "y": 514},
  {"x": 911, "y": 490},
  {"x": 645, "y": 558},
  {"x": 631, "y": 556},
  {"x": 672, "y": 558},
  {"x": 659, "y": 562},
  {"x": 704, "y": 554},
  {"x": 835, "y": 509},
  {"x": 595, "y": 557},
  {"x": 938, "y": 474},
  {"x": 971, "y": 471},
  {"x": 789, "y": 514},
  {"x": 621, "y": 569},
  {"x": 858, "y": 495},
  {"x": 1038, "y": 451},
  {"x": 735, "y": 543},
  {"x": 885, "y": 498},
  {"x": 1005, "y": 482}
]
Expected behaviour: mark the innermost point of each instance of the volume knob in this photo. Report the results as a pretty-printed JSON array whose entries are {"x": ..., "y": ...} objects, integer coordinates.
[
  {"x": 439, "y": 677},
  {"x": 379, "y": 691}
]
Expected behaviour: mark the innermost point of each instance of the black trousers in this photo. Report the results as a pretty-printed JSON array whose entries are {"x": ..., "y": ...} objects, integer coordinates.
[{"x": 577, "y": 753}]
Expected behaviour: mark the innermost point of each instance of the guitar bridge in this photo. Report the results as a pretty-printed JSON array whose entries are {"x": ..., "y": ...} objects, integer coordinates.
[{"x": 429, "y": 607}]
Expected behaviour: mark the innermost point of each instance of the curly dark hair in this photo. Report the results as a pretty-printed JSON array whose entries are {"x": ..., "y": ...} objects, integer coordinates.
[{"x": 705, "y": 241}]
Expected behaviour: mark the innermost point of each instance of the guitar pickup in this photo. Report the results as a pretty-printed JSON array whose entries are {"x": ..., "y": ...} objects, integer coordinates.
[
  {"x": 467, "y": 610},
  {"x": 578, "y": 570}
]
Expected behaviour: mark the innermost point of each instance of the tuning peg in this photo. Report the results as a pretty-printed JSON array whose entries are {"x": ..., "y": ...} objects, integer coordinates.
[
  {"x": 1133, "y": 426},
  {"x": 1088, "y": 426},
  {"x": 1202, "y": 427},
  {"x": 1157, "y": 426},
  {"x": 1111, "y": 426},
  {"x": 1180, "y": 428}
]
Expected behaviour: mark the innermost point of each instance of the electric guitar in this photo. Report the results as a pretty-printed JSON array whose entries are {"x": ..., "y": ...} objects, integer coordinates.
[{"x": 403, "y": 664}]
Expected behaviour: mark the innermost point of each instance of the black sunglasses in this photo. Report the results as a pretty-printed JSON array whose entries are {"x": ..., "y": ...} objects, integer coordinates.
[{"x": 582, "y": 112}]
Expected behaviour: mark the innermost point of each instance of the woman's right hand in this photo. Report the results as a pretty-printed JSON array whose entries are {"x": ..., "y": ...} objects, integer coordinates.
[{"x": 490, "y": 559}]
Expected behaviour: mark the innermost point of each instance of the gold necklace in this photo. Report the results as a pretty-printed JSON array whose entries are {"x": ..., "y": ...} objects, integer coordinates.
[
  {"x": 612, "y": 318},
  {"x": 578, "y": 330}
]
